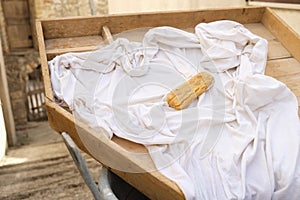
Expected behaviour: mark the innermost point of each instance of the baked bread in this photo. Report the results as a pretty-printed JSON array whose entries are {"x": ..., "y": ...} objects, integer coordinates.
[{"x": 184, "y": 94}]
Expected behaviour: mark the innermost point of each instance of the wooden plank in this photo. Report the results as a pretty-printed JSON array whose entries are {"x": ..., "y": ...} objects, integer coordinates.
[
  {"x": 287, "y": 71},
  {"x": 117, "y": 151},
  {"x": 260, "y": 30},
  {"x": 135, "y": 35},
  {"x": 282, "y": 67},
  {"x": 4, "y": 96},
  {"x": 62, "y": 28},
  {"x": 288, "y": 38},
  {"x": 19, "y": 36},
  {"x": 280, "y": 1},
  {"x": 110, "y": 153},
  {"x": 16, "y": 13},
  {"x": 276, "y": 5},
  {"x": 60, "y": 46},
  {"x": 106, "y": 34},
  {"x": 17, "y": 21},
  {"x": 15, "y": 9},
  {"x": 277, "y": 51},
  {"x": 32, "y": 10},
  {"x": 61, "y": 43},
  {"x": 54, "y": 52},
  {"x": 44, "y": 62},
  {"x": 293, "y": 82}
]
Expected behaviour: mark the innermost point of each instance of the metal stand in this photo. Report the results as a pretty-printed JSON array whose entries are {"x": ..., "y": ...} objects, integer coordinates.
[{"x": 103, "y": 191}]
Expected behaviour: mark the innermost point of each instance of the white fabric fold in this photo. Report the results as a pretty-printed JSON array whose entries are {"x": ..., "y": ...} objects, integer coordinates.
[{"x": 239, "y": 140}]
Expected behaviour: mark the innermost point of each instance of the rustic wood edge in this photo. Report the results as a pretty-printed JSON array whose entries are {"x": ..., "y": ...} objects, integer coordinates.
[
  {"x": 141, "y": 181},
  {"x": 66, "y": 119},
  {"x": 284, "y": 33},
  {"x": 55, "y": 52},
  {"x": 153, "y": 13},
  {"x": 286, "y": 6},
  {"x": 121, "y": 22},
  {"x": 62, "y": 120},
  {"x": 44, "y": 61},
  {"x": 106, "y": 34}
]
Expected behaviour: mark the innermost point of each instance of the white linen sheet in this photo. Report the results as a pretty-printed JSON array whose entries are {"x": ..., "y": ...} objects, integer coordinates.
[{"x": 239, "y": 140}]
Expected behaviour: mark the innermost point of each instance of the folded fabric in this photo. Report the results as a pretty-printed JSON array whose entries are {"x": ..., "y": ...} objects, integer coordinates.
[{"x": 239, "y": 140}]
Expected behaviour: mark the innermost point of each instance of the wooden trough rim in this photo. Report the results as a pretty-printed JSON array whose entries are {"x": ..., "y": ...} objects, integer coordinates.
[{"x": 166, "y": 188}]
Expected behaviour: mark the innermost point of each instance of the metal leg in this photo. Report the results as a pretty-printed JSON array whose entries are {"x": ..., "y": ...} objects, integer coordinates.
[
  {"x": 81, "y": 165},
  {"x": 104, "y": 185}
]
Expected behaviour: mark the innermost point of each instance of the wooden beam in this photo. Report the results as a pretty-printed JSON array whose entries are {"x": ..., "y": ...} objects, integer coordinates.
[
  {"x": 286, "y": 70},
  {"x": 44, "y": 62},
  {"x": 33, "y": 17},
  {"x": 117, "y": 154},
  {"x": 285, "y": 34},
  {"x": 106, "y": 34},
  {"x": 64, "y": 27},
  {"x": 275, "y": 5},
  {"x": 7, "y": 111},
  {"x": 54, "y": 52}
]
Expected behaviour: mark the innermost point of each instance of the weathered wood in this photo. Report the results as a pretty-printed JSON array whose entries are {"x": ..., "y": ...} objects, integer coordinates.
[
  {"x": 293, "y": 82},
  {"x": 15, "y": 9},
  {"x": 18, "y": 29},
  {"x": 56, "y": 34},
  {"x": 282, "y": 67},
  {"x": 285, "y": 35},
  {"x": 73, "y": 42},
  {"x": 106, "y": 34},
  {"x": 135, "y": 35},
  {"x": 293, "y": 6},
  {"x": 19, "y": 36},
  {"x": 287, "y": 71},
  {"x": 44, "y": 61},
  {"x": 83, "y": 26},
  {"x": 260, "y": 30},
  {"x": 54, "y": 52},
  {"x": 60, "y": 46},
  {"x": 110, "y": 153},
  {"x": 32, "y": 19},
  {"x": 276, "y": 50}
]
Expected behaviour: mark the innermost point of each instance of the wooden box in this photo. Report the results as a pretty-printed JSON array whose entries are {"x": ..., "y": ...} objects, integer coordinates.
[{"x": 58, "y": 36}]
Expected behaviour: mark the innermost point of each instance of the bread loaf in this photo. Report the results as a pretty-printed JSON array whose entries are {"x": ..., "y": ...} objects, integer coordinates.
[{"x": 184, "y": 94}]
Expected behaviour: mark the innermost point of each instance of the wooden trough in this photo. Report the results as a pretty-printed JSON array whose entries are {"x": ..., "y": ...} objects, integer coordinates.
[{"x": 58, "y": 36}]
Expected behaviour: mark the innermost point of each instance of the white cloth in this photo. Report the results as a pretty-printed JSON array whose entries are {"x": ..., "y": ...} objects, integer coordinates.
[{"x": 239, "y": 140}]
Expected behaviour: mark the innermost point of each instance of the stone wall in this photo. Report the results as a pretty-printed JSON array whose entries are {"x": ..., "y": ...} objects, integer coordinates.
[
  {"x": 21, "y": 62},
  {"x": 66, "y": 8},
  {"x": 17, "y": 69}
]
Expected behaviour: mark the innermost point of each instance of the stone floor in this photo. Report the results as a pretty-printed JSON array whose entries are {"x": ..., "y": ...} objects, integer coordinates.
[{"x": 41, "y": 168}]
